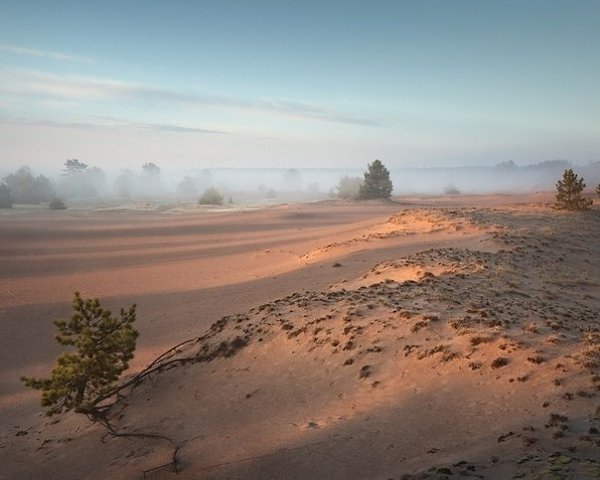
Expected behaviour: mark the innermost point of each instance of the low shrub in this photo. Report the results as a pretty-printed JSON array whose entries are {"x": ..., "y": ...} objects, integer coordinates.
[
  {"x": 57, "y": 204},
  {"x": 211, "y": 196}
]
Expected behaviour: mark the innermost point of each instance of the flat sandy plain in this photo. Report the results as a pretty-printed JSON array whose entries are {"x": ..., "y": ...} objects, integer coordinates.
[{"x": 442, "y": 337}]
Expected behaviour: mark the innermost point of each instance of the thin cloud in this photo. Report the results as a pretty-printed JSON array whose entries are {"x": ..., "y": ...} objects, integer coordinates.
[
  {"x": 161, "y": 127},
  {"x": 81, "y": 88},
  {"x": 34, "y": 52},
  {"x": 176, "y": 128},
  {"x": 110, "y": 123}
]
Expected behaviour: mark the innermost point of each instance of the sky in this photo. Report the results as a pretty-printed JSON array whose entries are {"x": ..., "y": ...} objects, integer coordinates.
[{"x": 200, "y": 84}]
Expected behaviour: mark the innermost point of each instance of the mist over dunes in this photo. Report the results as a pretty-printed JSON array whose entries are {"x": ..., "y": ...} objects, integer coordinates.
[{"x": 247, "y": 186}]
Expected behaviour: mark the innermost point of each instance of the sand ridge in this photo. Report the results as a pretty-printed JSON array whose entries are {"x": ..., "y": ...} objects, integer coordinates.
[
  {"x": 407, "y": 223},
  {"x": 473, "y": 360}
]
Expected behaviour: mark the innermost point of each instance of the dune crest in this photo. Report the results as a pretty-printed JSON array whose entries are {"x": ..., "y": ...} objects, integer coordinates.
[{"x": 407, "y": 223}]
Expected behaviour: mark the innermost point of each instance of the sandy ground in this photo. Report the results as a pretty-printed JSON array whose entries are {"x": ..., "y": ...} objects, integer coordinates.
[{"x": 442, "y": 336}]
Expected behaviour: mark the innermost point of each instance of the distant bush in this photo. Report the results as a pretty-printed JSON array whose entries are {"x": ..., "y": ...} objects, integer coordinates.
[
  {"x": 57, "y": 204},
  {"x": 6, "y": 198},
  {"x": 451, "y": 190},
  {"x": 598, "y": 189},
  {"x": 349, "y": 187},
  {"x": 211, "y": 196},
  {"x": 569, "y": 193}
]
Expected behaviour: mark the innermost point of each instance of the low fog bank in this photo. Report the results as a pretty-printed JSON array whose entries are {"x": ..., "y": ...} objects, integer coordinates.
[
  {"x": 78, "y": 181},
  {"x": 506, "y": 177}
]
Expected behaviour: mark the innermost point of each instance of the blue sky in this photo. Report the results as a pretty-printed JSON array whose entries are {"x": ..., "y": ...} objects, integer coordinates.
[{"x": 191, "y": 84}]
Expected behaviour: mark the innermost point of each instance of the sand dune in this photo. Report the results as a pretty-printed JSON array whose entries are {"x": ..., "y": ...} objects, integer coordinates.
[{"x": 340, "y": 341}]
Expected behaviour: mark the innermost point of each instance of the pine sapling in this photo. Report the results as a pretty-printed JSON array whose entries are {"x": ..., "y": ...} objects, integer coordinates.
[
  {"x": 569, "y": 193},
  {"x": 102, "y": 345}
]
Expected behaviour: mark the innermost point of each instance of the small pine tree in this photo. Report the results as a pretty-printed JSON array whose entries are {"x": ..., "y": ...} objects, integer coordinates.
[
  {"x": 377, "y": 183},
  {"x": 104, "y": 345},
  {"x": 598, "y": 189},
  {"x": 569, "y": 191},
  {"x": 6, "y": 198}
]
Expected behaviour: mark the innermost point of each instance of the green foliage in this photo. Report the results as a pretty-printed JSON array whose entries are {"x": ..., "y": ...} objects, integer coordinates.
[
  {"x": 569, "y": 190},
  {"x": 6, "y": 198},
  {"x": 349, "y": 187},
  {"x": 27, "y": 188},
  {"x": 377, "y": 183},
  {"x": 74, "y": 167},
  {"x": 56, "y": 204},
  {"x": 103, "y": 346},
  {"x": 151, "y": 169},
  {"x": 211, "y": 196}
]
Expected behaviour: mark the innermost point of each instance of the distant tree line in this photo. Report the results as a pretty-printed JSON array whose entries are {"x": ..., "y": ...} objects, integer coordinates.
[{"x": 77, "y": 181}]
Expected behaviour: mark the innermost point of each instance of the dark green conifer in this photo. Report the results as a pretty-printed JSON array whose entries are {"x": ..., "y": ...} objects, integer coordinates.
[
  {"x": 103, "y": 346},
  {"x": 569, "y": 193},
  {"x": 377, "y": 183}
]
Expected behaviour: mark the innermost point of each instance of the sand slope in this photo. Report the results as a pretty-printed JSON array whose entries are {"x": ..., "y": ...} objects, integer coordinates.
[{"x": 473, "y": 352}]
